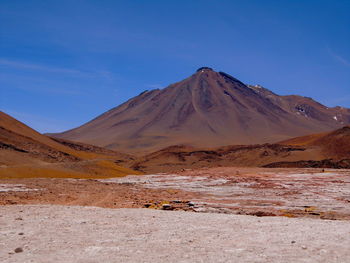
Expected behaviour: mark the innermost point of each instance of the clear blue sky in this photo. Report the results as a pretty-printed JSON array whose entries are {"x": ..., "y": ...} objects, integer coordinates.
[{"x": 63, "y": 63}]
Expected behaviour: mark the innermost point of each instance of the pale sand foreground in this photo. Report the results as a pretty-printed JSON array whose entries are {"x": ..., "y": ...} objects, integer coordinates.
[{"x": 49, "y": 233}]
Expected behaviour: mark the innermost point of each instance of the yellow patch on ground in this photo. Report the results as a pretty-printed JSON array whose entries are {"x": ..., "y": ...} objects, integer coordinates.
[{"x": 93, "y": 170}]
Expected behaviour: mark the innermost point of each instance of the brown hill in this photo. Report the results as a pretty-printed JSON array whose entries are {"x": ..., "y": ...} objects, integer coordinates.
[
  {"x": 27, "y": 153},
  {"x": 176, "y": 158},
  {"x": 208, "y": 109},
  {"x": 335, "y": 144},
  {"x": 320, "y": 150}
]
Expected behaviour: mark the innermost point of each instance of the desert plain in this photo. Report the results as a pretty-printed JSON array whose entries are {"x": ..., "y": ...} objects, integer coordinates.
[{"x": 224, "y": 214}]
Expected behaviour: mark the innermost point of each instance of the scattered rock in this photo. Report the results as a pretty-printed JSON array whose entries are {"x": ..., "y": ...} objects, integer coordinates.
[
  {"x": 304, "y": 247},
  {"x": 190, "y": 203},
  {"x": 261, "y": 213},
  {"x": 21, "y": 234},
  {"x": 18, "y": 250},
  {"x": 167, "y": 207},
  {"x": 19, "y": 218},
  {"x": 147, "y": 205},
  {"x": 293, "y": 242},
  {"x": 315, "y": 213}
]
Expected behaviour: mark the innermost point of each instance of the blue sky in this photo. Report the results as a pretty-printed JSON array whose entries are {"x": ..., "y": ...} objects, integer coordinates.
[{"x": 63, "y": 63}]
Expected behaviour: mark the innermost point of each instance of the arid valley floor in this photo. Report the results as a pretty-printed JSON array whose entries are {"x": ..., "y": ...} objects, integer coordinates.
[{"x": 223, "y": 215}]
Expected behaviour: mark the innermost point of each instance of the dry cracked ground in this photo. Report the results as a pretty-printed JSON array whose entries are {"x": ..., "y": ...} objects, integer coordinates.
[{"x": 224, "y": 215}]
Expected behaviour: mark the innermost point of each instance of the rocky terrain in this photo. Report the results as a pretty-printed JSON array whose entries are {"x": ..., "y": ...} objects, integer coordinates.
[{"x": 315, "y": 193}]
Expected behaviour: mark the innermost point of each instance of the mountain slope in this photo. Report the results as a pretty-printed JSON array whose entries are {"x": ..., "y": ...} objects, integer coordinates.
[
  {"x": 335, "y": 144},
  {"x": 208, "y": 109},
  {"x": 319, "y": 150},
  {"x": 176, "y": 158},
  {"x": 27, "y": 153}
]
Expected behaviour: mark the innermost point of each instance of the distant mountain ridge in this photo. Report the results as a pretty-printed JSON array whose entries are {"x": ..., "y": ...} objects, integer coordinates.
[{"x": 207, "y": 109}]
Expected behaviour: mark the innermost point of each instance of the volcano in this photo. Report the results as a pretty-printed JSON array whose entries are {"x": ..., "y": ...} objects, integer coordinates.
[{"x": 207, "y": 109}]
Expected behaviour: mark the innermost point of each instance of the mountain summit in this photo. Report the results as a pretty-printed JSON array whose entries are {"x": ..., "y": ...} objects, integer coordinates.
[{"x": 207, "y": 109}]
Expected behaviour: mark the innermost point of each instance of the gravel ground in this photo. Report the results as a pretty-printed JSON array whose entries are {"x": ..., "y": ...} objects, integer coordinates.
[
  {"x": 250, "y": 191},
  {"x": 51, "y": 233},
  {"x": 290, "y": 192}
]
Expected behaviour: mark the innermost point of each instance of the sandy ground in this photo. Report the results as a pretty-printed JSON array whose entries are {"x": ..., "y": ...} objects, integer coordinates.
[{"x": 51, "y": 233}]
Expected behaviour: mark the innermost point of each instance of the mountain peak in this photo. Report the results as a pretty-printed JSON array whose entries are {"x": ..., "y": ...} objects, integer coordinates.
[
  {"x": 207, "y": 109},
  {"x": 204, "y": 69}
]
